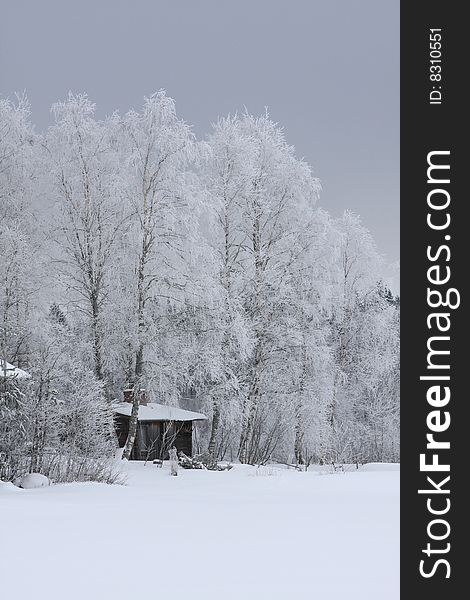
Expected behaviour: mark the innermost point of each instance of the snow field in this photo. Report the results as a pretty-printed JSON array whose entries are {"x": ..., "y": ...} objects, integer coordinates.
[{"x": 246, "y": 533}]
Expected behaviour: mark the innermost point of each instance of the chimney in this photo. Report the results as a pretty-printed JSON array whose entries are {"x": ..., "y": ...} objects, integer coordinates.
[{"x": 129, "y": 393}]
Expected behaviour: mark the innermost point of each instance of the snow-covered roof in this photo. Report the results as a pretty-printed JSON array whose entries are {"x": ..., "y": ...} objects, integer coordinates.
[
  {"x": 12, "y": 371},
  {"x": 158, "y": 412}
]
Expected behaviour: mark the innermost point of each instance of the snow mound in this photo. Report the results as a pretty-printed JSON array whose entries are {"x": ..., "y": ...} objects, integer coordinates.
[
  {"x": 7, "y": 487},
  {"x": 380, "y": 467},
  {"x": 34, "y": 480}
]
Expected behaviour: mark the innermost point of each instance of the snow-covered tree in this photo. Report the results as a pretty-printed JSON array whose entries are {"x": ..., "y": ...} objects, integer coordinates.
[
  {"x": 228, "y": 174},
  {"x": 69, "y": 421},
  {"x": 84, "y": 167},
  {"x": 357, "y": 307},
  {"x": 373, "y": 380},
  {"x": 276, "y": 208},
  {"x": 312, "y": 367},
  {"x": 19, "y": 272},
  {"x": 159, "y": 147}
]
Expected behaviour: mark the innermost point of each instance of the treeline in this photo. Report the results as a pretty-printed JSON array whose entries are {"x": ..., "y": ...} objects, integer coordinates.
[{"x": 134, "y": 255}]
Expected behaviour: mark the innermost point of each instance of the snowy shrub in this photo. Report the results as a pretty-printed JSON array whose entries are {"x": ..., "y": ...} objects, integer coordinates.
[
  {"x": 60, "y": 424},
  {"x": 73, "y": 435},
  {"x": 33, "y": 480},
  {"x": 67, "y": 469}
]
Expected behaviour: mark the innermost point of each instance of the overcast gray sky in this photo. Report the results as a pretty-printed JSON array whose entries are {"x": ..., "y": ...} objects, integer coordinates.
[{"x": 327, "y": 69}]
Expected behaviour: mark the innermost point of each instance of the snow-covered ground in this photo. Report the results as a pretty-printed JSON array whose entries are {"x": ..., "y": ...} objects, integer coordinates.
[{"x": 244, "y": 534}]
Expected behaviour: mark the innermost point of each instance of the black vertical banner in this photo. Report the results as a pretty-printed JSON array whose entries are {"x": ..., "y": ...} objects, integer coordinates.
[{"x": 435, "y": 249}]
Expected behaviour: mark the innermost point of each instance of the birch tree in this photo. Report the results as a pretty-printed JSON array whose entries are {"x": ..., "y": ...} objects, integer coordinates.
[
  {"x": 312, "y": 366},
  {"x": 373, "y": 379},
  {"x": 19, "y": 260},
  {"x": 356, "y": 276},
  {"x": 159, "y": 146},
  {"x": 281, "y": 193},
  {"x": 85, "y": 180},
  {"x": 228, "y": 176}
]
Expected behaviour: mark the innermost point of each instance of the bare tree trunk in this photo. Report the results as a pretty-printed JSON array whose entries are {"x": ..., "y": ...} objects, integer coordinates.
[
  {"x": 133, "y": 421},
  {"x": 214, "y": 427},
  {"x": 96, "y": 337},
  {"x": 333, "y": 403},
  {"x": 136, "y": 395},
  {"x": 35, "y": 444},
  {"x": 298, "y": 443},
  {"x": 244, "y": 431},
  {"x": 139, "y": 359},
  {"x": 226, "y": 282},
  {"x": 253, "y": 398},
  {"x": 299, "y": 424},
  {"x": 250, "y": 410}
]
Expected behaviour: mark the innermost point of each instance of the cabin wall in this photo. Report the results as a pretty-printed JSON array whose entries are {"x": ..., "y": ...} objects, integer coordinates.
[
  {"x": 184, "y": 438},
  {"x": 148, "y": 444},
  {"x": 155, "y": 438},
  {"x": 121, "y": 425}
]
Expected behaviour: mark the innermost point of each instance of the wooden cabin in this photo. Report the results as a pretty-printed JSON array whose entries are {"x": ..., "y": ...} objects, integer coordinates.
[{"x": 159, "y": 428}]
